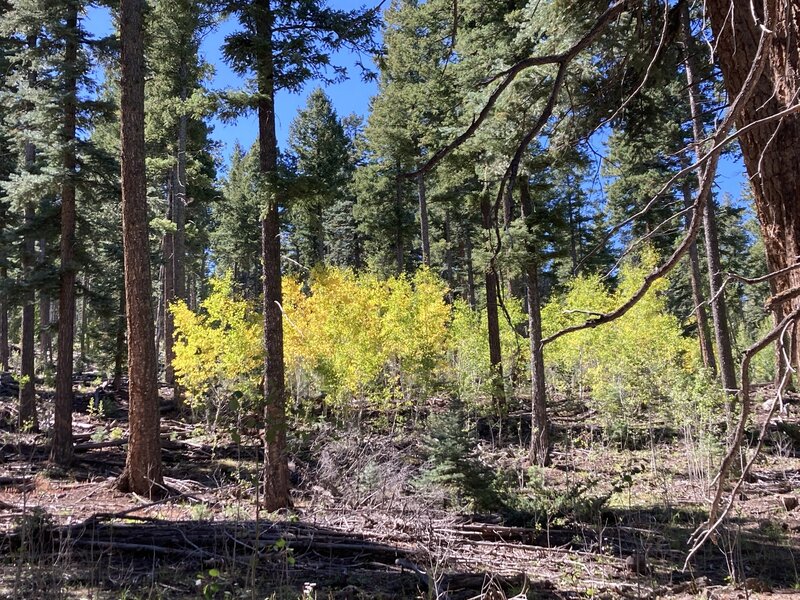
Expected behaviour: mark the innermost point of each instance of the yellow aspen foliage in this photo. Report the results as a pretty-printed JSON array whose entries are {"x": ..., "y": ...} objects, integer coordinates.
[
  {"x": 469, "y": 349},
  {"x": 350, "y": 336},
  {"x": 640, "y": 364},
  {"x": 219, "y": 350}
]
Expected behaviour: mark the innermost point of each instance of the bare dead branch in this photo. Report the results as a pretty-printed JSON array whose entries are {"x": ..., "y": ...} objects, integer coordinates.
[
  {"x": 764, "y": 278},
  {"x": 715, "y": 516},
  {"x": 781, "y": 298},
  {"x": 710, "y": 160}
]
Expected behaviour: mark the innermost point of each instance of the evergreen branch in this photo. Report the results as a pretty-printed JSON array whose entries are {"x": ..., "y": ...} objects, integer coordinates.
[
  {"x": 709, "y": 161},
  {"x": 508, "y": 76}
]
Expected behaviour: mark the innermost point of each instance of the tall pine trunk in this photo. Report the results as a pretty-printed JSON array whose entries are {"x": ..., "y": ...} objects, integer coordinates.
[
  {"x": 4, "y": 347},
  {"x": 540, "y": 422},
  {"x": 61, "y": 451},
  {"x": 698, "y": 298},
  {"x": 423, "y": 220},
  {"x": 769, "y": 148},
  {"x": 143, "y": 468},
  {"x": 276, "y": 470},
  {"x": 719, "y": 312},
  {"x": 492, "y": 318}
]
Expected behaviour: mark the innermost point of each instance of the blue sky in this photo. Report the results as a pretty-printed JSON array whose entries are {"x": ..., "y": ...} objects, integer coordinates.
[{"x": 350, "y": 96}]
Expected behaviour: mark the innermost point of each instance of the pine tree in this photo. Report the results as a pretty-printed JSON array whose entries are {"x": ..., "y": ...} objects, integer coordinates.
[
  {"x": 239, "y": 211},
  {"x": 320, "y": 156},
  {"x": 143, "y": 470},
  {"x": 346, "y": 247},
  {"x": 176, "y": 101},
  {"x": 719, "y": 309},
  {"x": 61, "y": 451},
  {"x": 406, "y": 121},
  {"x": 768, "y": 151},
  {"x": 284, "y": 44},
  {"x": 8, "y": 224},
  {"x": 29, "y": 183}
]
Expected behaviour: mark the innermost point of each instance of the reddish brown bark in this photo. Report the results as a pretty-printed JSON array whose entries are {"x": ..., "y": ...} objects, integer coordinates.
[
  {"x": 770, "y": 148},
  {"x": 143, "y": 469},
  {"x": 61, "y": 451},
  {"x": 276, "y": 470}
]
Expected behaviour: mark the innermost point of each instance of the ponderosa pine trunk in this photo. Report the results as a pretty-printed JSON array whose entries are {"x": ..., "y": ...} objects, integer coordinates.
[
  {"x": 61, "y": 451},
  {"x": 540, "y": 421},
  {"x": 492, "y": 317},
  {"x": 28, "y": 420},
  {"x": 143, "y": 469},
  {"x": 719, "y": 311},
  {"x": 423, "y": 220},
  {"x": 4, "y": 347},
  {"x": 770, "y": 149},
  {"x": 276, "y": 464}
]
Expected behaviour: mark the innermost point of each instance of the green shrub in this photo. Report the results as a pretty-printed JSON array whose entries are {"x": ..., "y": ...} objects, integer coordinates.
[
  {"x": 453, "y": 461},
  {"x": 639, "y": 368}
]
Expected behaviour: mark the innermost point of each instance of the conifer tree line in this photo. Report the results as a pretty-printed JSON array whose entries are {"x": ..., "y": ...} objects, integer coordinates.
[{"x": 511, "y": 150}]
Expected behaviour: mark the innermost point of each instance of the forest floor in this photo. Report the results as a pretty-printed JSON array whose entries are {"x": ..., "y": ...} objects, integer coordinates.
[{"x": 364, "y": 526}]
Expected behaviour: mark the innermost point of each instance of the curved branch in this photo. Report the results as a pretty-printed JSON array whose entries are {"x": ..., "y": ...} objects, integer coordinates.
[
  {"x": 710, "y": 160},
  {"x": 509, "y": 75},
  {"x": 715, "y": 516}
]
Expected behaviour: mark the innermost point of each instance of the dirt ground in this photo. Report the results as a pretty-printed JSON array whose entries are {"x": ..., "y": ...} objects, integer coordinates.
[{"x": 360, "y": 529}]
